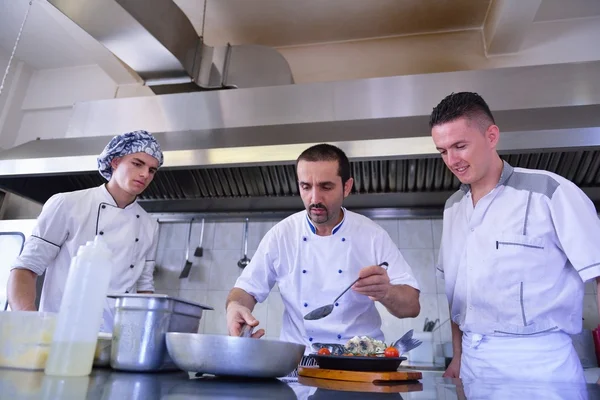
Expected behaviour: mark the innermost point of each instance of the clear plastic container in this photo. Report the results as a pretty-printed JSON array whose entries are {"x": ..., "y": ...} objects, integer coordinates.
[
  {"x": 81, "y": 309},
  {"x": 25, "y": 338}
]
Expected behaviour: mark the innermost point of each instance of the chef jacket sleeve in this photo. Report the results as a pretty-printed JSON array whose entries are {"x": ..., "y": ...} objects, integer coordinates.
[
  {"x": 577, "y": 228},
  {"x": 145, "y": 283},
  {"x": 48, "y": 235},
  {"x": 259, "y": 276},
  {"x": 399, "y": 272}
]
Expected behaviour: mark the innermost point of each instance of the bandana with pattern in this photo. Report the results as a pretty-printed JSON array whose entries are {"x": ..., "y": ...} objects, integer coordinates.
[{"x": 128, "y": 143}]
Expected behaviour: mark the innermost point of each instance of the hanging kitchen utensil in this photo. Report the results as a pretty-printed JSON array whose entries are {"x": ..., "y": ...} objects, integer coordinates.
[
  {"x": 432, "y": 324},
  {"x": 244, "y": 261},
  {"x": 199, "y": 251},
  {"x": 324, "y": 311},
  {"x": 188, "y": 264}
]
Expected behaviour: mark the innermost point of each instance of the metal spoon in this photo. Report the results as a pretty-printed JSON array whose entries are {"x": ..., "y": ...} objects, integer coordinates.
[
  {"x": 324, "y": 311},
  {"x": 244, "y": 261}
]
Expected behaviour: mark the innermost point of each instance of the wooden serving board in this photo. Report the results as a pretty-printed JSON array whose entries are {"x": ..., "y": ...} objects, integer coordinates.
[{"x": 359, "y": 376}]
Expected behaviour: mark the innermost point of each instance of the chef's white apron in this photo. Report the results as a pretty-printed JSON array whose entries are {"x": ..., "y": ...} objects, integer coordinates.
[
  {"x": 542, "y": 366},
  {"x": 548, "y": 357}
]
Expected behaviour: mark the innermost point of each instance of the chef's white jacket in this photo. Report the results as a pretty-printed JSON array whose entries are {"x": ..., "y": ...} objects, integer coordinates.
[
  {"x": 68, "y": 221},
  {"x": 516, "y": 263},
  {"x": 312, "y": 270}
]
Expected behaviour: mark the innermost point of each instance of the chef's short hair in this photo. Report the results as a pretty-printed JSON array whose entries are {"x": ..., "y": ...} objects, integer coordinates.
[
  {"x": 463, "y": 104},
  {"x": 327, "y": 152}
]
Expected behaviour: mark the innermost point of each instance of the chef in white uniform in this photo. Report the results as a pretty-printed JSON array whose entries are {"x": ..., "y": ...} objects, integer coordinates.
[
  {"x": 69, "y": 220},
  {"x": 315, "y": 254},
  {"x": 517, "y": 246}
]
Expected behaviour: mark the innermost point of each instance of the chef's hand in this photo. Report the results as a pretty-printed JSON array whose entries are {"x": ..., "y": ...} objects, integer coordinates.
[
  {"x": 237, "y": 316},
  {"x": 453, "y": 370},
  {"x": 374, "y": 282}
]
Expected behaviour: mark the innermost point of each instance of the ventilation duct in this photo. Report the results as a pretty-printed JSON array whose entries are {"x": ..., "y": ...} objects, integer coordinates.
[{"x": 157, "y": 41}]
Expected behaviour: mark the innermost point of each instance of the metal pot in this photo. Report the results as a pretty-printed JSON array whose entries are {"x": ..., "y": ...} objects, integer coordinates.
[
  {"x": 233, "y": 356},
  {"x": 141, "y": 322}
]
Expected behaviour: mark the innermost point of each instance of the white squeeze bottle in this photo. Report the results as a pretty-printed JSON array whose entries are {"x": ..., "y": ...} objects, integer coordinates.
[{"x": 80, "y": 315}]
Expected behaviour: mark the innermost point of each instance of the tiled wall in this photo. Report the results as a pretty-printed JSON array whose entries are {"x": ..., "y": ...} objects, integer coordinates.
[{"x": 214, "y": 274}]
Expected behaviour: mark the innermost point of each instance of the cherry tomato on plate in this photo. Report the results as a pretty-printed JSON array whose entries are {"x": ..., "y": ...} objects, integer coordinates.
[
  {"x": 391, "y": 352},
  {"x": 324, "y": 352}
]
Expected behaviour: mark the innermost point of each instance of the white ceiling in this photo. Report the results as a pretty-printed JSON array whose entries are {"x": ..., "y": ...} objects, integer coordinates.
[
  {"x": 47, "y": 43},
  {"x": 552, "y": 10},
  {"x": 44, "y": 42}
]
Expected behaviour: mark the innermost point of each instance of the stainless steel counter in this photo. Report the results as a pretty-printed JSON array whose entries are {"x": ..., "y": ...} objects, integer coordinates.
[{"x": 110, "y": 385}]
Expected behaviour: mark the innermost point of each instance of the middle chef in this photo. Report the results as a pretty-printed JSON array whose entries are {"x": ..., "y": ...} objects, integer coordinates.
[{"x": 313, "y": 255}]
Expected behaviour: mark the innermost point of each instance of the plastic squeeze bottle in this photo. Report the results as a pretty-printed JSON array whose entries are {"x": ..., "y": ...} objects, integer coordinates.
[{"x": 80, "y": 314}]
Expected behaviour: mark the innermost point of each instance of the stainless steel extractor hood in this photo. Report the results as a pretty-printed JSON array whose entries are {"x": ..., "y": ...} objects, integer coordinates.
[{"x": 234, "y": 150}]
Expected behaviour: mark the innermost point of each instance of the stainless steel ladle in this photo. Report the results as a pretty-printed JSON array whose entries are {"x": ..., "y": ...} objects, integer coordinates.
[{"x": 324, "y": 311}]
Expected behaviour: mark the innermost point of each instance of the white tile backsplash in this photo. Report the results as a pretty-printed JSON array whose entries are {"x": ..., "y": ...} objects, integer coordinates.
[
  {"x": 274, "y": 317},
  {"x": 429, "y": 309},
  {"x": 173, "y": 235},
  {"x": 440, "y": 285},
  {"x": 415, "y": 234},
  {"x": 393, "y": 328},
  {"x": 444, "y": 326},
  {"x": 256, "y": 231},
  {"x": 391, "y": 227},
  {"x": 197, "y": 296},
  {"x": 224, "y": 270},
  {"x": 169, "y": 264},
  {"x": 591, "y": 287},
  {"x": 590, "y": 312},
  {"x": 216, "y": 322},
  {"x": 198, "y": 279},
  {"x": 168, "y": 292},
  {"x": 260, "y": 312},
  {"x": 213, "y": 275},
  {"x": 229, "y": 236},
  {"x": 436, "y": 227},
  {"x": 421, "y": 263}
]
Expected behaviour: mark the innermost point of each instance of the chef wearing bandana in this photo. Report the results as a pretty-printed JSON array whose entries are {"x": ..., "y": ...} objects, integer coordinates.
[{"x": 69, "y": 220}]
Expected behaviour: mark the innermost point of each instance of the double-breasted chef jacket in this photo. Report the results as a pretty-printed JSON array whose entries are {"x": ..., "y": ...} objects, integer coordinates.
[
  {"x": 68, "y": 221},
  {"x": 312, "y": 270},
  {"x": 514, "y": 267}
]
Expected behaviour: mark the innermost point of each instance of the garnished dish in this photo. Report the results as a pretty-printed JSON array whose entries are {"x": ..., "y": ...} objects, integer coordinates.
[
  {"x": 364, "y": 346},
  {"x": 361, "y": 353}
]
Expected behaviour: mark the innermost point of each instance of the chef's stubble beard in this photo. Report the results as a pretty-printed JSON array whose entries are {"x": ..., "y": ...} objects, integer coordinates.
[{"x": 328, "y": 216}]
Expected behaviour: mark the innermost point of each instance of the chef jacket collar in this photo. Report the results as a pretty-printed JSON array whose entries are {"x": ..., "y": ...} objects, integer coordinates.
[
  {"x": 313, "y": 229},
  {"x": 109, "y": 199},
  {"x": 507, "y": 171}
]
